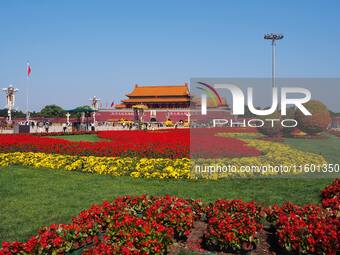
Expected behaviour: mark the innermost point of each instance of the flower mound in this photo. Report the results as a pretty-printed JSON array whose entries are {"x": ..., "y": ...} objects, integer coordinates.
[
  {"x": 331, "y": 196},
  {"x": 232, "y": 225},
  {"x": 306, "y": 230},
  {"x": 132, "y": 235}
]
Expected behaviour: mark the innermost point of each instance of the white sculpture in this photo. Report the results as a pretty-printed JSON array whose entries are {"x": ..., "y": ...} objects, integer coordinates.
[
  {"x": 10, "y": 100},
  {"x": 94, "y": 106},
  {"x": 68, "y": 118}
]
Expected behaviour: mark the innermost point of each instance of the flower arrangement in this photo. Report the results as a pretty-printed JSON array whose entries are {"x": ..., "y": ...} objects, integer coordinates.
[
  {"x": 232, "y": 225},
  {"x": 135, "y": 143},
  {"x": 123, "y": 143},
  {"x": 162, "y": 168},
  {"x": 132, "y": 235},
  {"x": 272, "y": 155},
  {"x": 158, "y": 154},
  {"x": 207, "y": 145},
  {"x": 331, "y": 196},
  {"x": 305, "y": 230},
  {"x": 115, "y": 166}
]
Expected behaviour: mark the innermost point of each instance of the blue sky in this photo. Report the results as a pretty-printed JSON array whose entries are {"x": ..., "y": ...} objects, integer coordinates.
[{"x": 79, "y": 49}]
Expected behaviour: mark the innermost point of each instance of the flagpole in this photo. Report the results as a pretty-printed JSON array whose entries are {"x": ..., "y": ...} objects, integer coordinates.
[
  {"x": 27, "y": 117},
  {"x": 27, "y": 91}
]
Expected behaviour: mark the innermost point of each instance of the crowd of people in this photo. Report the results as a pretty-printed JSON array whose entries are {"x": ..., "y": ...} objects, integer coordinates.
[{"x": 46, "y": 126}]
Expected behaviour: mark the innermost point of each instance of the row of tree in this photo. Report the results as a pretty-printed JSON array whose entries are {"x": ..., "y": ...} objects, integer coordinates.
[{"x": 48, "y": 111}]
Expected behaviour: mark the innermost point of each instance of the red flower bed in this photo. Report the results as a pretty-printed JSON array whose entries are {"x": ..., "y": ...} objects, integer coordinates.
[
  {"x": 331, "y": 196},
  {"x": 166, "y": 143},
  {"x": 172, "y": 144},
  {"x": 172, "y": 212},
  {"x": 306, "y": 230},
  {"x": 232, "y": 226},
  {"x": 132, "y": 235},
  {"x": 204, "y": 144}
]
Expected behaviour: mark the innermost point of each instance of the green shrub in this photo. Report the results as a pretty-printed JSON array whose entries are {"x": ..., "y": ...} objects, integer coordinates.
[
  {"x": 267, "y": 129},
  {"x": 317, "y": 122}
]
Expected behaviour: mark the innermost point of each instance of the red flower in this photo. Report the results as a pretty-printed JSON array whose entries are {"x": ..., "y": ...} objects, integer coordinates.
[
  {"x": 306, "y": 230},
  {"x": 232, "y": 225},
  {"x": 167, "y": 143},
  {"x": 331, "y": 196}
]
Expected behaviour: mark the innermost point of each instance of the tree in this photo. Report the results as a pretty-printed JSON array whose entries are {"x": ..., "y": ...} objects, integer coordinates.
[
  {"x": 78, "y": 110},
  {"x": 317, "y": 122},
  {"x": 270, "y": 129},
  {"x": 83, "y": 108},
  {"x": 3, "y": 112},
  {"x": 15, "y": 114},
  {"x": 52, "y": 111},
  {"x": 18, "y": 114},
  {"x": 35, "y": 114}
]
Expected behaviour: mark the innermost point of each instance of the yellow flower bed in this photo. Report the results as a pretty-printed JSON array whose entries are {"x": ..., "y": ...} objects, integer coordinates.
[
  {"x": 277, "y": 159},
  {"x": 115, "y": 166}
]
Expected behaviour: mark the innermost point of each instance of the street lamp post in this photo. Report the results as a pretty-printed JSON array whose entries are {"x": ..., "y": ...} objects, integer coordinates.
[
  {"x": 10, "y": 100},
  {"x": 273, "y": 37}
]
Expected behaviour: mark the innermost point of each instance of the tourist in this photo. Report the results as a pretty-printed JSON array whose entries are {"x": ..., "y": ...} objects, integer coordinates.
[{"x": 47, "y": 127}]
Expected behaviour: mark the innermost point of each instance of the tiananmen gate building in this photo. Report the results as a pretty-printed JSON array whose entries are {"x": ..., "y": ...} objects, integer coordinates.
[
  {"x": 168, "y": 102},
  {"x": 158, "y": 97}
]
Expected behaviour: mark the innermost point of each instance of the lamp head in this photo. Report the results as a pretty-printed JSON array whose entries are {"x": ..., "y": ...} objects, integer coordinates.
[{"x": 273, "y": 36}]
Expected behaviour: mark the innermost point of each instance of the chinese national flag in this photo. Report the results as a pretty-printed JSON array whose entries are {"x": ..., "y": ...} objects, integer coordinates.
[{"x": 28, "y": 70}]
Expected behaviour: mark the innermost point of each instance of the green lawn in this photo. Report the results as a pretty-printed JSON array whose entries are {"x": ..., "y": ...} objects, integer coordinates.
[
  {"x": 79, "y": 138},
  {"x": 329, "y": 147},
  {"x": 31, "y": 198}
]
